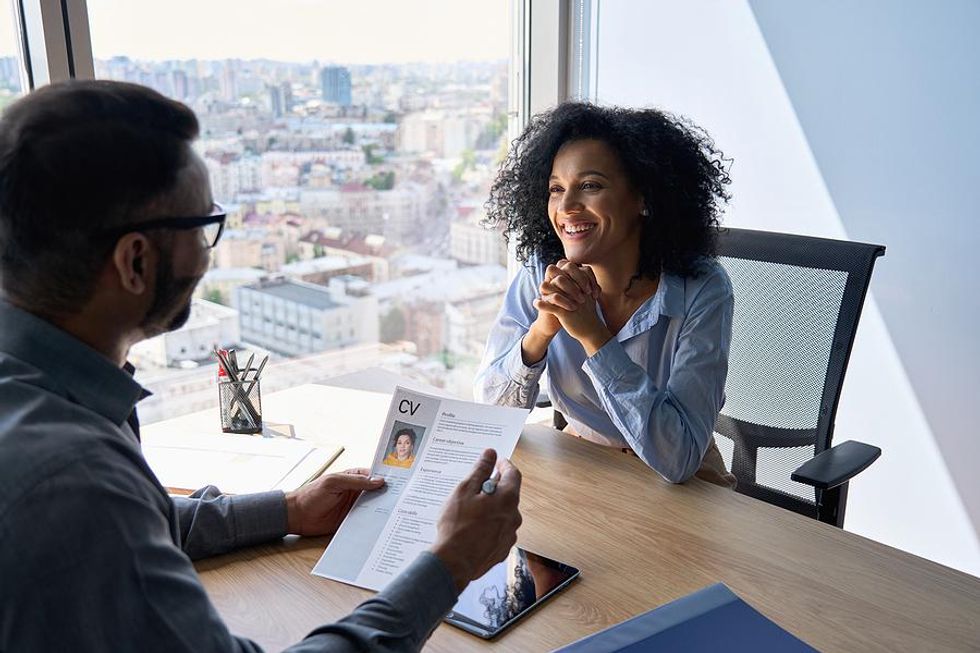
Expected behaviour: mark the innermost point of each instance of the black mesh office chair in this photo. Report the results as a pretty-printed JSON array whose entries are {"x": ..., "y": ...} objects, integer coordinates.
[{"x": 797, "y": 305}]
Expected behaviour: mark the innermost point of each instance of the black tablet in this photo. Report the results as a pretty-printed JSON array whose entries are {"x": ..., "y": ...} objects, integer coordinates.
[{"x": 509, "y": 591}]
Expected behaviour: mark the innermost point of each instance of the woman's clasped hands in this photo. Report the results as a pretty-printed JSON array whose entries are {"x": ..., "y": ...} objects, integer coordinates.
[{"x": 569, "y": 300}]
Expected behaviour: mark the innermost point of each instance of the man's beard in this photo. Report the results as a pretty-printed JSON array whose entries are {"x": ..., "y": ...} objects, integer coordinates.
[{"x": 164, "y": 314}]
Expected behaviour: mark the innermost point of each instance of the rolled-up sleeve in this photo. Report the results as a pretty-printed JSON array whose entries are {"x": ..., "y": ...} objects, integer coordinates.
[
  {"x": 503, "y": 377},
  {"x": 669, "y": 427}
]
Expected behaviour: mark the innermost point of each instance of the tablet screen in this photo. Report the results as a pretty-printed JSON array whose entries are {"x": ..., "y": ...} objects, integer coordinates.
[{"x": 508, "y": 591}]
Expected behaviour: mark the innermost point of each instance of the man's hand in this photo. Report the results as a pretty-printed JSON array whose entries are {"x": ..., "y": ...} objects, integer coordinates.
[
  {"x": 476, "y": 530},
  {"x": 317, "y": 508}
]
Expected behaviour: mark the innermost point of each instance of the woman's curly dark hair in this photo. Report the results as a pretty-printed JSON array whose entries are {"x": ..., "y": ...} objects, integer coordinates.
[{"x": 671, "y": 162}]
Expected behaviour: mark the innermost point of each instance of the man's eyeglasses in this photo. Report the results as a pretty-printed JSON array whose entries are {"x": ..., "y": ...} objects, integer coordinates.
[{"x": 212, "y": 225}]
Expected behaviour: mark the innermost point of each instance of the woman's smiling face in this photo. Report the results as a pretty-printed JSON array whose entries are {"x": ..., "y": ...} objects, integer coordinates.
[{"x": 591, "y": 204}]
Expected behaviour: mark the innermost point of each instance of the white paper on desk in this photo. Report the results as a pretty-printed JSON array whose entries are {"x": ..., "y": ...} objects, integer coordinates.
[
  {"x": 236, "y": 464},
  {"x": 387, "y": 529}
]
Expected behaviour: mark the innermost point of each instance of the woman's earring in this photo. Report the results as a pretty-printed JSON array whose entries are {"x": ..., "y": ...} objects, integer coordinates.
[{"x": 645, "y": 212}]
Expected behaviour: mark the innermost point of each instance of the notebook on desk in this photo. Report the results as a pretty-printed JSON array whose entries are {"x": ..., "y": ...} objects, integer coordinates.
[
  {"x": 235, "y": 464},
  {"x": 712, "y": 619}
]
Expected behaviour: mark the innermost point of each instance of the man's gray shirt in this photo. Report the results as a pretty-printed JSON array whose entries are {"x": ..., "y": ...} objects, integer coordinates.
[{"x": 95, "y": 556}]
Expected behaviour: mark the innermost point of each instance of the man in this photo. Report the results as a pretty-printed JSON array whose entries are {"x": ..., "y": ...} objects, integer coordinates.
[{"x": 106, "y": 221}]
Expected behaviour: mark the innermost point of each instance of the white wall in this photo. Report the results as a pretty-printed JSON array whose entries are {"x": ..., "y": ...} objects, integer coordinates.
[{"x": 709, "y": 61}]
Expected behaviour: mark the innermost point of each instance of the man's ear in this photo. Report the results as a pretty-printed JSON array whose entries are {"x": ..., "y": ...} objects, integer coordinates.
[{"x": 131, "y": 260}]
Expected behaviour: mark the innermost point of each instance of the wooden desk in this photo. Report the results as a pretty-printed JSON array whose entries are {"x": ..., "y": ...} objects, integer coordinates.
[{"x": 642, "y": 542}]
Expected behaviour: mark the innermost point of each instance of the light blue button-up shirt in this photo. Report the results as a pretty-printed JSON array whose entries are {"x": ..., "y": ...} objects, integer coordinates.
[{"x": 656, "y": 387}]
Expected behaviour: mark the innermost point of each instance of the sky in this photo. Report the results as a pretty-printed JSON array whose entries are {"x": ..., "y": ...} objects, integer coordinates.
[
  {"x": 343, "y": 31},
  {"x": 8, "y": 46}
]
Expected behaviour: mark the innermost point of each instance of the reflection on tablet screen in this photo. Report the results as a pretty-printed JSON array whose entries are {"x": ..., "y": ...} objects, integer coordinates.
[{"x": 502, "y": 595}]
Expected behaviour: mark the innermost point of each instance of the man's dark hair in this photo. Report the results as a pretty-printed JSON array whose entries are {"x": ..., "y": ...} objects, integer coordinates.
[
  {"x": 76, "y": 158},
  {"x": 668, "y": 160}
]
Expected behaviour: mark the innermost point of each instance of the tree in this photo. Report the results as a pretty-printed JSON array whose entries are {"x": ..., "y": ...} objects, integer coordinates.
[
  {"x": 370, "y": 157},
  {"x": 381, "y": 181},
  {"x": 491, "y": 134},
  {"x": 393, "y": 326},
  {"x": 447, "y": 358},
  {"x": 214, "y": 295},
  {"x": 467, "y": 161},
  {"x": 349, "y": 136}
]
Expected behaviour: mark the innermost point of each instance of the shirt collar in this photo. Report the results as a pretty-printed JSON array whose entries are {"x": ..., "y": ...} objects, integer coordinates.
[
  {"x": 668, "y": 300},
  {"x": 83, "y": 374},
  {"x": 673, "y": 297}
]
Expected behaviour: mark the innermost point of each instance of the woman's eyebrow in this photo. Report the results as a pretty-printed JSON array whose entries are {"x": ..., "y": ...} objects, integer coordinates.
[{"x": 584, "y": 173}]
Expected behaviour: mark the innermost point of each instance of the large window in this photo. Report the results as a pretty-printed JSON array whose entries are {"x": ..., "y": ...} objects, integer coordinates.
[
  {"x": 354, "y": 145},
  {"x": 11, "y": 85}
]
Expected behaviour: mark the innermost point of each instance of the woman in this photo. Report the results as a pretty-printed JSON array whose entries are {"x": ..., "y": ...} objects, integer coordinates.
[
  {"x": 614, "y": 213},
  {"x": 402, "y": 453}
]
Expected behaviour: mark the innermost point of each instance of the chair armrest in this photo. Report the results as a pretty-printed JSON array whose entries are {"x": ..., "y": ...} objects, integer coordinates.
[
  {"x": 543, "y": 400},
  {"x": 836, "y": 465}
]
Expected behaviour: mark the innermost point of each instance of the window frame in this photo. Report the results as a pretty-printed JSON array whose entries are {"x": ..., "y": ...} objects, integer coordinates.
[{"x": 55, "y": 42}]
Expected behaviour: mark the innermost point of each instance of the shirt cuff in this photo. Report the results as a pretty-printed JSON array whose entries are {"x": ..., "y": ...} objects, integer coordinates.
[
  {"x": 607, "y": 366},
  {"x": 519, "y": 372},
  {"x": 258, "y": 517}
]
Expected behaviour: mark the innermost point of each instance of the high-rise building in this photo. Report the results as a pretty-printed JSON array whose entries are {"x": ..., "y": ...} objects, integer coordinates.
[
  {"x": 335, "y": 85},
  {"x": 276, "y": 101},
  {"x": 286, "y": 90},
  {"x": 180, "y": 85},
  {"x": 229, "y": 83},
  {"x": 280, "y": 98}
]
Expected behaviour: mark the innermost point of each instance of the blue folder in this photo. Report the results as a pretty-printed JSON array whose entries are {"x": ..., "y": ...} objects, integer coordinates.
[{"x": 712, "y": 619}]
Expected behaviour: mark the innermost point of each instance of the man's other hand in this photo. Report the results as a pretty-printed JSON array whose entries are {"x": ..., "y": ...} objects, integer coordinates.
[
  {"x": 317, "y": 508},
  {"x": 476, "y": 530}
]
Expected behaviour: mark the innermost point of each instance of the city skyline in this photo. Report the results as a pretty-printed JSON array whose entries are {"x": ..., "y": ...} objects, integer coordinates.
[
  {"x": 328, "y": 165},
  {"x": 327, "y": 173}
]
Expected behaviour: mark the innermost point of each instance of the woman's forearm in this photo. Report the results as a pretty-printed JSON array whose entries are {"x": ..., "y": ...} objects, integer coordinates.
[{"x": 534, "y": 345}]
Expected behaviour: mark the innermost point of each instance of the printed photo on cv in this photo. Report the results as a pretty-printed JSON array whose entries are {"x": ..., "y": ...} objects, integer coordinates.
[{"x": 403, "y": 445}]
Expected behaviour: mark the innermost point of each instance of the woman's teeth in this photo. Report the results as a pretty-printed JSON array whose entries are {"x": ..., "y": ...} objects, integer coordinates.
[{"x": 578, "y": 228}]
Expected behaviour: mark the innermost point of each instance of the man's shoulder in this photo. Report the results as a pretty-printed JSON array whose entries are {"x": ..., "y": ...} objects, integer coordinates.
[
  {"x": 36, "y": 414},
  {"x": 48, "y": 444}
]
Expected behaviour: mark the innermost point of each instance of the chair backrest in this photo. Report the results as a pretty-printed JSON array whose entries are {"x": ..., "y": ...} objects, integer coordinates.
[{"x": 797, "y": 305}]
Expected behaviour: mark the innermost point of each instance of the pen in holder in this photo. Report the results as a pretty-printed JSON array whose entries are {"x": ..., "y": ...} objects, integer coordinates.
[
  {"x": 239, "y": 394},
  {"x": 235, "y": 417}
]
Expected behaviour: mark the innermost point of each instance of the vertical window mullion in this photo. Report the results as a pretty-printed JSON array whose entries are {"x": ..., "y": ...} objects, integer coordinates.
[{"x": 55, "y": 40}]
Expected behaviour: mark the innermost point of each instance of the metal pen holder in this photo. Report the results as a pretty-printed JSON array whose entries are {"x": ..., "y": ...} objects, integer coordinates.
[{"x": 238, "y": 416}]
